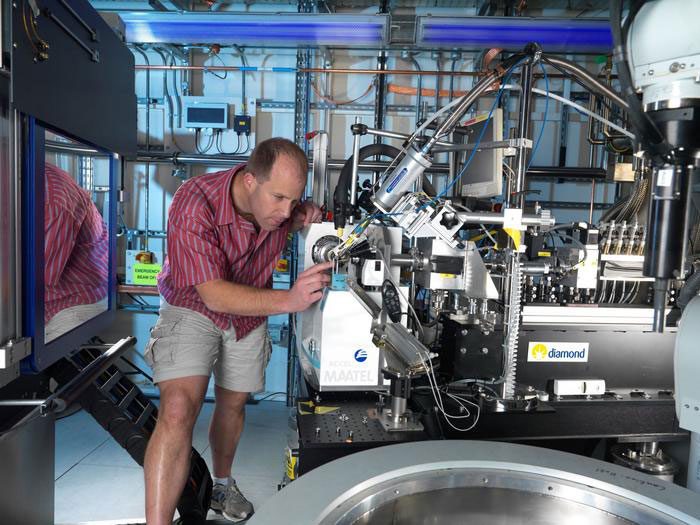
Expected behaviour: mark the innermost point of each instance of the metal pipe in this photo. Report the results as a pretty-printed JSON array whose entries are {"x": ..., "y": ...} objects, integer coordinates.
[
  {"x": 400, "y": 136},
  {"x": 419, "y": 94},
  {"x": 517, "y": 195},
  {"x": 21, "y": 402},
  {"x": 17, "y": 223},
  {"x": 585, "y": 77},
  {"x": 148, "y": 96},
  {"x": 355, "y": 164},
  {"x": 402, "y": 259},
  {"x": 316, "y": 70},
  {"x": 227, "y": 160},
  {"x": 472, "y": 217},
  {"x": 566, "y": 173},
  {"x": 467, "y": 100},
  {"x": 398, "y": 408},
  {"x": 438, "y": 64}
]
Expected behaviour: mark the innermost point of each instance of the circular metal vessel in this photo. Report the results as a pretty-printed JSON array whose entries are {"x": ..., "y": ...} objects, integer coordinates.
[{"x": 474, "y": 482}]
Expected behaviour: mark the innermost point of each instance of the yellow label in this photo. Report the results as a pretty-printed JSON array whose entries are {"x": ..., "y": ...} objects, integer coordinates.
[
  {"x": 282, "y": 265},
  {"x": 448, "y": 275},
  {"x": 544, "y": 254},
  {"x": 308, "y": 407},
  {"x": 513, "y": 234},
  {"x": 146, "y": 274},
  {"x": 291, "y": 465}
]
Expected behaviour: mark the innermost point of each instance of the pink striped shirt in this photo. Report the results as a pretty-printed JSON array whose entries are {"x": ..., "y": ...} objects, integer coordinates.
[
  {"x": 209, "y": 240},
  {"x": 76, "y": 248}
]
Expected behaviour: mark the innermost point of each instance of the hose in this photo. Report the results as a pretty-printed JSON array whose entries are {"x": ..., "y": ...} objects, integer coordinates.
[
  {"x": 341, "y": 195},
  {"x": 690, "y": 289}
]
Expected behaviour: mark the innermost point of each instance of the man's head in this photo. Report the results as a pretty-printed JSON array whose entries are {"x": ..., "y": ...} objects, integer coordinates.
[{"x": 274, "y": 181}]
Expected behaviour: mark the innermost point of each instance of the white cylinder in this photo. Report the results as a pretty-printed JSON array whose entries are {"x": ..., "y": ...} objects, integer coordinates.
[
  {"x": 694, "y": 463},
  {"x": 400, "y": 180}
]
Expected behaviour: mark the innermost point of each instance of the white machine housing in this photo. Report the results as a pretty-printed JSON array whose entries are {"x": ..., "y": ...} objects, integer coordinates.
[{"x": 334, "y": 336}]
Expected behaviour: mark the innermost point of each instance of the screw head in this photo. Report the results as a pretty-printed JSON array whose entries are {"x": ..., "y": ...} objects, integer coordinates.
[
  {"x": 462, "y": 350},
  {"x": 484, "y": 350},
  {"x": 464, "y": 331}
]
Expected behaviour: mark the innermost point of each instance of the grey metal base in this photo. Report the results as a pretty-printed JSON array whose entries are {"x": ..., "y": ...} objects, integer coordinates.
[
  {"x": 27, "y": 472},
  {"x": 407, "y": 421},
  {"x": 448, "y": 482}
]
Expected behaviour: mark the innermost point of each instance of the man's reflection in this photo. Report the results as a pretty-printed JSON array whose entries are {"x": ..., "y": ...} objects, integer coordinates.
[{"x": 76, "y": 255}]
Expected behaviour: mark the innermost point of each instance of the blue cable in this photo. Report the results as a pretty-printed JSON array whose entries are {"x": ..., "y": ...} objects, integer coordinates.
[
  {"x": 483, "y": 130},
  {"x": 544, "y": 119}
]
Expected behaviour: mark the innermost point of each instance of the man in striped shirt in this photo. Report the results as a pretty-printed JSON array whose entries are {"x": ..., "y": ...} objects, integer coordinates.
[{"x": 225, "y": 233}]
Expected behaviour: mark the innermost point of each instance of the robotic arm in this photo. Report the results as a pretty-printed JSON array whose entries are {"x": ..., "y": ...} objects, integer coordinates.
[{"x": 657, "y": 53}]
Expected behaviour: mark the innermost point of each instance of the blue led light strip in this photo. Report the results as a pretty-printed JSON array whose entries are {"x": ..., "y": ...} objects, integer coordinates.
[
  {"x": 274, "y": 29},
  {"x": 585, "y": 36}
]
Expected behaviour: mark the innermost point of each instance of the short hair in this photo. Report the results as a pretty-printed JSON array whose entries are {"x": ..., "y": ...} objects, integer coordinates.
[{"x": 266, "y": 153}]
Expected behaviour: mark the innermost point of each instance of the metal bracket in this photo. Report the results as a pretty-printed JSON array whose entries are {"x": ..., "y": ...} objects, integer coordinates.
[
  {"x": 93, "y": 32},
  {"x": 94, "y": 53},
  {"x": 14, "y": 351}
]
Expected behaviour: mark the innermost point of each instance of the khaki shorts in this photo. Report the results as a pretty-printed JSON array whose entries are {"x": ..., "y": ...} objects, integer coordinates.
[{"x": 185, "y": 343}]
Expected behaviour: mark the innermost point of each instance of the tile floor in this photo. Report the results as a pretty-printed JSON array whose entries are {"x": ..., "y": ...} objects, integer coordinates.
[{"x": 96, "y": 480}]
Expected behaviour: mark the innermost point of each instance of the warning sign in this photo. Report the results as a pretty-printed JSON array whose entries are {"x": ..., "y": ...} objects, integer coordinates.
[{"x": 146, "y": 273}]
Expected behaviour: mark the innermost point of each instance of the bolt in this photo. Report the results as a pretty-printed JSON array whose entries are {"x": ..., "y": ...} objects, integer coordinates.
[
  {"x": 464, "y": 331},
  {"x": 462, "y": 350},
  {"x": 484, "y": 480},
  {"x": 397, "y": 492},
  {"x": 337, "y": 430},
  {"x": 14, "y": 44},
  {"x": 697, "y": 409},
  {"x": 318, "y": 430},
  {"x": 673, "y": 68},
  {"x": 484, "y": 350},
  {"x": 651, "y": 71},
  {"x": 686, "y": 405}
]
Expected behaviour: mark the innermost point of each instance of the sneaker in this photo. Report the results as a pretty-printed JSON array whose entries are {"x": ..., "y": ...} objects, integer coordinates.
[{"x": 229, "y": 501}]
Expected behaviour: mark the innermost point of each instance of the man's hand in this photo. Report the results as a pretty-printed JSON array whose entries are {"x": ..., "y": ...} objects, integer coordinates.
[
  {"x": 308, "y": 288},
  {"x": 304, "y": 214}
]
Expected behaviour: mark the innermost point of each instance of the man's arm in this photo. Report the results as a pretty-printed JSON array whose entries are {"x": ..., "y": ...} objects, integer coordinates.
[{"x": 226, "y": 297}]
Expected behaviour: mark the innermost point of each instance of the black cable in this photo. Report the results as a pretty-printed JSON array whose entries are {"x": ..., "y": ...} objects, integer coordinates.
[
  {"x": 138, "y": 300},
  {"x": 214, "y": 72},
  {"x": 272, "y": 395},
  {"x": 210, "y": 142}
]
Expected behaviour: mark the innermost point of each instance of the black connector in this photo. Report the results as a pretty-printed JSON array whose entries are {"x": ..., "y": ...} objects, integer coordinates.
[{"x": 241, "y": 124}]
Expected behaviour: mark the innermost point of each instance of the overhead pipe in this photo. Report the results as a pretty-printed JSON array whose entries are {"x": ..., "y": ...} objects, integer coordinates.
[{"x": 270, "y": 69}]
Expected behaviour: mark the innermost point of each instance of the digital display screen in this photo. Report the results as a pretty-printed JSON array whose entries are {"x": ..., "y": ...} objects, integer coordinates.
[{"x": 206, "y": 115}]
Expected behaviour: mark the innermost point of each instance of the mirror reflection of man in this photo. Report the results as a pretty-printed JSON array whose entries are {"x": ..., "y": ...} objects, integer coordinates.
[{"x": 76, "y": 255}]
